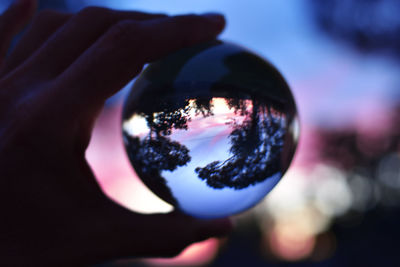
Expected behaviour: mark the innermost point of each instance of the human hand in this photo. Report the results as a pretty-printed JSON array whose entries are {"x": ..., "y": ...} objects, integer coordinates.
[{"x": 52, "y": 86}]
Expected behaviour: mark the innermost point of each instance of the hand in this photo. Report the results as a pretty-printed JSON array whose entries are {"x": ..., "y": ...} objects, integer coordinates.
[{"x": 52, "y": 86}]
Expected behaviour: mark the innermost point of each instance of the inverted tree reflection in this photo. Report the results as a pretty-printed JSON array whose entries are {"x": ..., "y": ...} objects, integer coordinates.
[
  {"x": 256, "y": 141},
  {"x": 156, "y": 151},
  {"x": 256, "y": 144}
]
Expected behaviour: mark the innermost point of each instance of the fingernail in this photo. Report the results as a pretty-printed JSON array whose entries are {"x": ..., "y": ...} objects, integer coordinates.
[{"x": 215, "y": 18}]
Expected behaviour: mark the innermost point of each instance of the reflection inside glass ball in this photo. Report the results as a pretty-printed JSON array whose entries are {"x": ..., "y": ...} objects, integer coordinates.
[{"x": 210, "y": 129}]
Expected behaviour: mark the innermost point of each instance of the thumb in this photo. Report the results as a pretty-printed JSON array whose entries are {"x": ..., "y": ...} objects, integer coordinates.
[{"x": 159, "y": 235}]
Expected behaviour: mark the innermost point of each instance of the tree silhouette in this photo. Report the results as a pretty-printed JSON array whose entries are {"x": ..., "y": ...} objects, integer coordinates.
[
  {"x": 203, "y": 106},
  {"x": 156, "y": 151},
  {"x": 256, "y": 145},
  {"x": 157, "y": 154},
  {"x": 255, "y": 90}
]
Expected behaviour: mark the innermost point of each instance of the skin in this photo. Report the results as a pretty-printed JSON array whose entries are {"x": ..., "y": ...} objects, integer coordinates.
[{"x": 52, "y": 87}]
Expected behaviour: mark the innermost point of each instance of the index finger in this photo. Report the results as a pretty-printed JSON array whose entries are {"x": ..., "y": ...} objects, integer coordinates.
[{"x": 120, "y": 53}]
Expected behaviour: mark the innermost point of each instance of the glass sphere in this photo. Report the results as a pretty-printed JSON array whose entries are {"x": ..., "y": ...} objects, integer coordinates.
[{"x": 210, "y": 129}]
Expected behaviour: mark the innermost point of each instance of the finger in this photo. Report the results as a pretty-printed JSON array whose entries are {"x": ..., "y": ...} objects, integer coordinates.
[
  {"x": 79, "y": 33},
  {"x": 45, "y": 24},
  {"x": 12, "y": 21},
  {"x": 120, "y": 54},
  {"x": 158, "y": 235}
]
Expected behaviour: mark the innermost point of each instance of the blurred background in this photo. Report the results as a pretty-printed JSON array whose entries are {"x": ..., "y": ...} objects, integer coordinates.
[{"x": 339, "y": 203}]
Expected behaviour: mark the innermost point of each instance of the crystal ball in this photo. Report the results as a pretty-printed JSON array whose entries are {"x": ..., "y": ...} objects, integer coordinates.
[{"x": 210, "y": 129}]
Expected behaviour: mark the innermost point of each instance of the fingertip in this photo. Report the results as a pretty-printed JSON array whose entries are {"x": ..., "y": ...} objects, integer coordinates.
[{"x": 216, "y": 18}]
